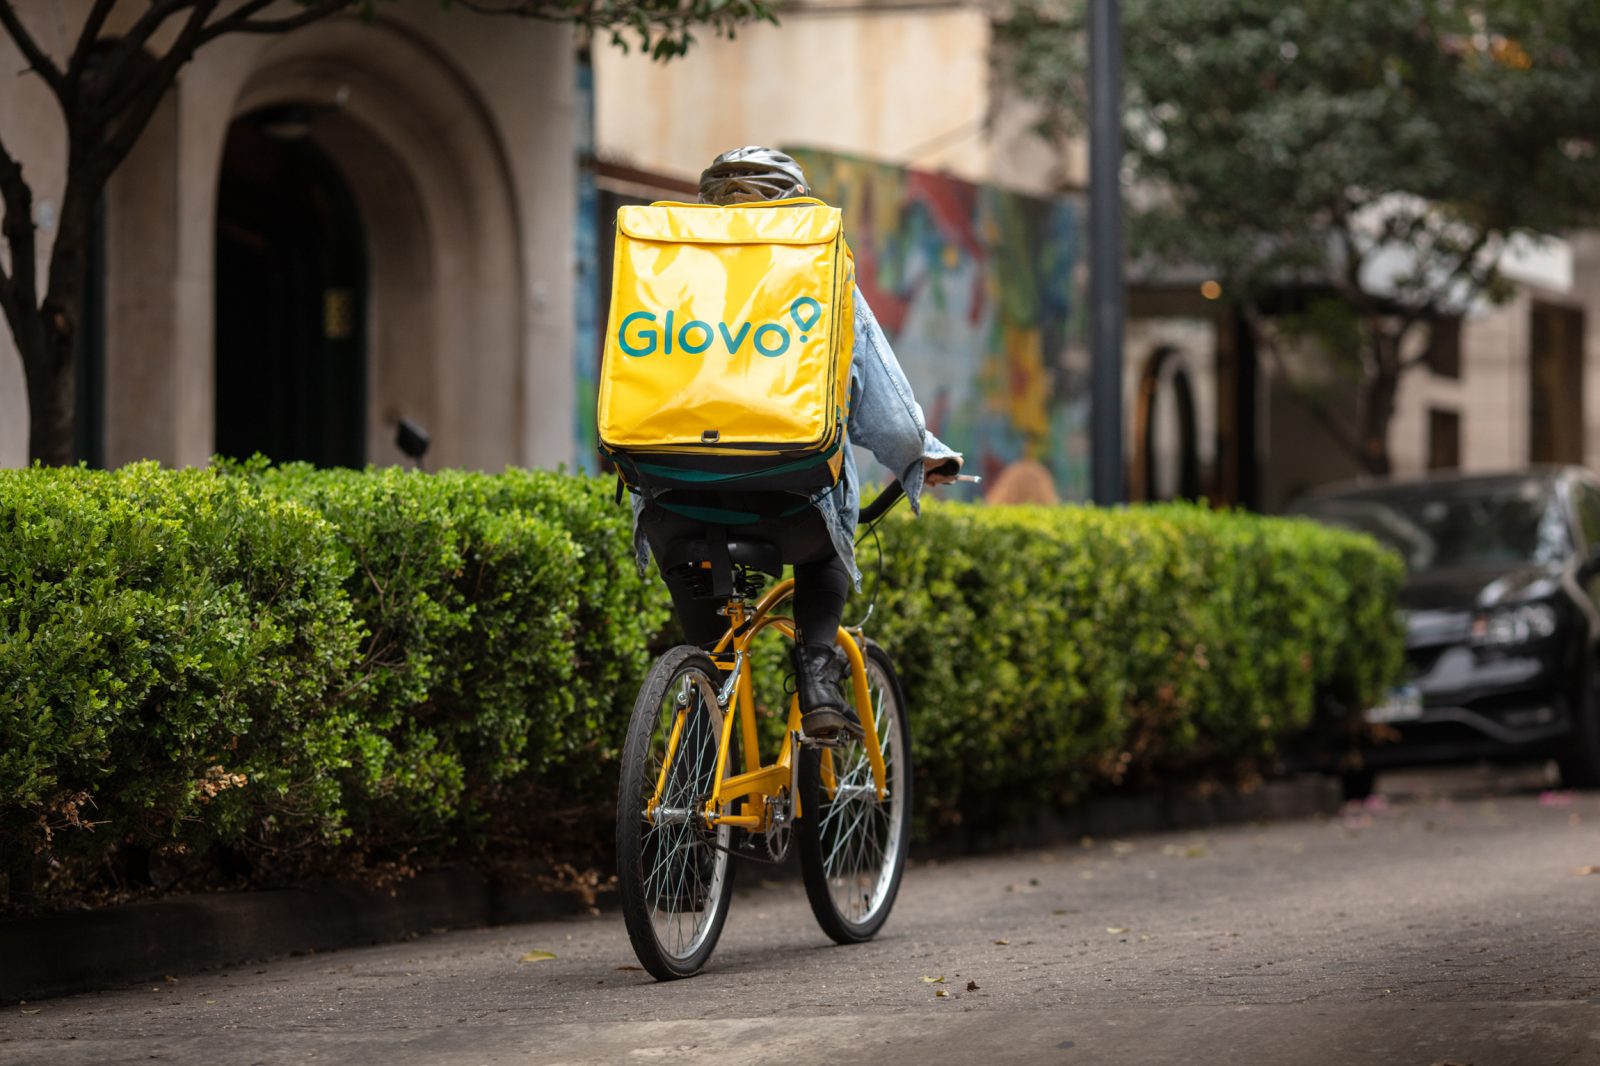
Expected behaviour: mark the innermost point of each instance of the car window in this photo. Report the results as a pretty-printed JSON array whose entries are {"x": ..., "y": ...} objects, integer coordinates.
[{"x": 1437, "y": 527}]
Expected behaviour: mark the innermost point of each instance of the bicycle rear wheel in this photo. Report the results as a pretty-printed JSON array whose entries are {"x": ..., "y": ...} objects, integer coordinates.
[
  {"x": 852, "y": 844},
  {"x": 674, "y": 871}
]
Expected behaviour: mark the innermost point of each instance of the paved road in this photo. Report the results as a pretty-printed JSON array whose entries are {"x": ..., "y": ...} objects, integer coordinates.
[{"x": 1450, "y": 924}]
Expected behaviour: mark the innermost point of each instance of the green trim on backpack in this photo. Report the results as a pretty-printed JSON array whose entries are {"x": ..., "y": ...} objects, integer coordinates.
[
  {"x": 708, "y": 477},
  {"x": 724, "y": 517}
]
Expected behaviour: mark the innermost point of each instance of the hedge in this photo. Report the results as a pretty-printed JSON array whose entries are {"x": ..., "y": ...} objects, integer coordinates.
[
  {"x": 250, "y": 675},
  {"x": 1049, "y": 650}
]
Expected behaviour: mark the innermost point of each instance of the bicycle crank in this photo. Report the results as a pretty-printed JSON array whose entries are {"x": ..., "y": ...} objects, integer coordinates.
[{"x": 780, "y": 820}]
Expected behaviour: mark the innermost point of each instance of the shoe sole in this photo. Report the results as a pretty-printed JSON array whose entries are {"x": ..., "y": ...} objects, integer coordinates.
[{"x": 824, "y": 725}]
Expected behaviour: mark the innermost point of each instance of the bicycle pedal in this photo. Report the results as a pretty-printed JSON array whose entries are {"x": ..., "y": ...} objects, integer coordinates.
[{"x": 834, "y": 741}]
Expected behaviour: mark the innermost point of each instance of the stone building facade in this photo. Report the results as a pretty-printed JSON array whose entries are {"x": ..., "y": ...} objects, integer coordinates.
[{"x": 408, "y": 181}]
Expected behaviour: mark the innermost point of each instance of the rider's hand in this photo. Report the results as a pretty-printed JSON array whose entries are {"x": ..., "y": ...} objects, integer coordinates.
[{"x": 940, "y": 471}]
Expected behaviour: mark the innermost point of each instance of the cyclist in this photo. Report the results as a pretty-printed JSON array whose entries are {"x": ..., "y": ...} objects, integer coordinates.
[{"x": 820, "y": 541}]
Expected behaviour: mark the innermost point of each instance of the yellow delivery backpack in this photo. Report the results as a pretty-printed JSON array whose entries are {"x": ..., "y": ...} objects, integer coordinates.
[{"x": 727, "y": 357}]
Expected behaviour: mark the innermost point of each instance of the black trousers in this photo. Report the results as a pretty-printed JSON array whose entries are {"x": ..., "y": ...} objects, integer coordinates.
[{"x": 821, "y": 581}]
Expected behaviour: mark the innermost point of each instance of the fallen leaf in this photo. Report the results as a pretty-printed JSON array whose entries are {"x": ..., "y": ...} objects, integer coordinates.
[
  {"x": 171, "y": 980},
  {"x": 640, "y": 968},
  {"x": 32, "y": 1010},
  {"x": 933, "y": 980},
  {"x": 1114, "y": 929},
  {"x": 537, "y": 956},
  {"x": 1555, "y": 799},
  {"x": 972, "y": 986},
  {"x": 1002, "y": 943},
  {"x": 940, "y": 994},
  {"x": 1061, "y": 910},
  {"x": 1584, "y": 870}
]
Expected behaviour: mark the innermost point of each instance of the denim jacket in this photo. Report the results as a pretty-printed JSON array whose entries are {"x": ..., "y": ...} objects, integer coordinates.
[{"x": 885, "y": 419}]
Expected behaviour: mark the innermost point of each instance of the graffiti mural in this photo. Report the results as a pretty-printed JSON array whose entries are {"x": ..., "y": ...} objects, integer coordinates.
[{"x": 981, "y": 293}]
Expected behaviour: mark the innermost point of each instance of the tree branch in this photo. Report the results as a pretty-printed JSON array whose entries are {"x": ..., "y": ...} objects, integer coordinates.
[
  {"x": 116, "y": 72},
  {"x": 600, "y": 13},
  {"x": 87, "y": 39},
  {"x": 140, "y": 99},
  {"x": 38, "y": 61},
  {"x": 1464, "y": 266},
  {"x": 17, "y": 226},
  {"x": 1350, "y": 283},
  {"x": 241, "y": 21}
]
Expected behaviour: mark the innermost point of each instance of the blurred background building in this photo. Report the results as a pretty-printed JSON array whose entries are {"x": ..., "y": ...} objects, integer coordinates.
[
  {"x": 321, "y": 233},
  {"x": 409, "y": 217}
]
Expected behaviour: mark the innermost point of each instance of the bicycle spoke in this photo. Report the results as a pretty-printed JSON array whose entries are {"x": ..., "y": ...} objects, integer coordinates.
[
  {"x": 682, "y": 871},
  {"x": 857, "y": 830}
]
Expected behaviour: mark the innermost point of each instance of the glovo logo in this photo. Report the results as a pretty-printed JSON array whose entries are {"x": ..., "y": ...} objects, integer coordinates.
[{"x": 639, "y": 335}]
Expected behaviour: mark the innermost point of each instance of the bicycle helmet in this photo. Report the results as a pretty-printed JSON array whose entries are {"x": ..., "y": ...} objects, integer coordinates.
[{"x": 751, "y": 173}]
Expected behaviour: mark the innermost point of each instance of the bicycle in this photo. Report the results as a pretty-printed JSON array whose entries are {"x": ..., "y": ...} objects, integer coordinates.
[{"x": 682, "y": 814}]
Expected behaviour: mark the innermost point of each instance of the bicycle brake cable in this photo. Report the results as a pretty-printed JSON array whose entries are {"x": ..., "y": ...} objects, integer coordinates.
[{"x": 877, "y": 581}]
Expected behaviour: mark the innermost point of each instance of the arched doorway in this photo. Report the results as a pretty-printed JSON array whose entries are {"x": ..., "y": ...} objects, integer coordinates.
[
  {"x": 290, "y": 298},
  {"x": 448, "y": 317},
  {"x": 1166, "y": 436}
]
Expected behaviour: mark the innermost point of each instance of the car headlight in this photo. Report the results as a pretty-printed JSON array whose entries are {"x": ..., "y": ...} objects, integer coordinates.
[{"x": 1522, "y": 624}]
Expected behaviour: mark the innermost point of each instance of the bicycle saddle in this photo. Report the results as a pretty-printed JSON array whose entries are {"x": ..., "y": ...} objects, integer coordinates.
[{"x": 753, "y": 554}]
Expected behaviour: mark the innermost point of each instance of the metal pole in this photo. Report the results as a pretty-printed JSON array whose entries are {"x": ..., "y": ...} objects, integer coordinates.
[{"x": 1106, "y": 298}]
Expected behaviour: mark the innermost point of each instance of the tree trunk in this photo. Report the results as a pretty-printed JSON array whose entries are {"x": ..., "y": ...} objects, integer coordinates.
[
  {"x": 1379, "y": 387},
  {"x": 47, "y": 362},
  {"x": 52, "y": 406}
]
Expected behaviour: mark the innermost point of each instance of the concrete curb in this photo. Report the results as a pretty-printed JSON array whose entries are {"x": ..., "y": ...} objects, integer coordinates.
[
  {"x": 61, "y": 954},
  {"x": 1304, "y": 796}
]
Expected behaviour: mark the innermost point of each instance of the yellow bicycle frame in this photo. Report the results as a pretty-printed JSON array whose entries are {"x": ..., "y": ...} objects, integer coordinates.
[{"x": 758, "y": 781}]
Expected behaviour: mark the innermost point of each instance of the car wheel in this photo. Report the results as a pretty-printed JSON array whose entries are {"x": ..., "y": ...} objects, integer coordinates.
[{"x": 1580, "y": 762}]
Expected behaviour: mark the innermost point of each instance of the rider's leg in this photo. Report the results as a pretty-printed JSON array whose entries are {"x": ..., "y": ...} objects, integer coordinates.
[
  {"x": 701, "y": 623},
  {"x": 821, "y": 587}
]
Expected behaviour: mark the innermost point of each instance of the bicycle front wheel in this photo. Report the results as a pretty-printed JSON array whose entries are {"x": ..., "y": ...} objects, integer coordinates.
[
  {"x": 673, "y": 870},
  {"x": 852, "y": 844}
]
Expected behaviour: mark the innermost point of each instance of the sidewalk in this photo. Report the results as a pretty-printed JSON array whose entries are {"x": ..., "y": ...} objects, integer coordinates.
[{"x": 72, "y": 952}]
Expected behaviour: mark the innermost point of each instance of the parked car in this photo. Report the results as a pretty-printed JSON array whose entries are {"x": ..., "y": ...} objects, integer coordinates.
[{"x": 1502, "y": 610}]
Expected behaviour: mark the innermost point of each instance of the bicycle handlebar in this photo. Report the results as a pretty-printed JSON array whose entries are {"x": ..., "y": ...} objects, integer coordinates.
[
  {"x": 894, "y": 491},
  {"x": 881, "y": 503}
]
